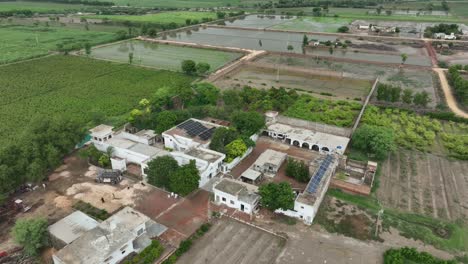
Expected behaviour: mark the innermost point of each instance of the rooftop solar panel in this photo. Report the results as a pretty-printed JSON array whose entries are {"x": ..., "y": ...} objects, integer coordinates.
[
  {"x": 317, "y": 178},
  {"x": 207, "y": 133}
]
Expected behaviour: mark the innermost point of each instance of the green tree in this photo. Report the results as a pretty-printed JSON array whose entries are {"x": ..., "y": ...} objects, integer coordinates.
[
  {"x": 160, "y": 169},
  {"x": 421, "y": 99},
  {"x": 305, "y": 40},
  {"x": 407, "y": 96},
  {"x": 104, "y": 160},
  {"x": 248, "y": 123},
  {"x": 31, "y": 234},
  {"x": 165, "y": 120},
  {"x": 235, "y": 149},
  {"x": 290, "y": 47},
  {"x": 205, "y": 93},
  {"x": 277, "y": 196},
  {"x": 87, "y": 47},
  {"x": 221, "y": 137},
  {"x": 185, "y": 180},
  {"x": 343, "y": 29},
  {"x": 404, "y": 57},
  {"x": 202, "y": 67},
  {"x": 374, "y": 140},
  {"x": 130, "y": 58},
  {"x": 189, "y": 67},
  {"x": 298, "y": 170},
  {"x": 188, "y": 21}
]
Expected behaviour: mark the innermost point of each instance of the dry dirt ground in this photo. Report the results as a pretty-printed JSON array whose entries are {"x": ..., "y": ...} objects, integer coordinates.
[
  {"x": 265, "y": 143},
  {"x": 425, "y": 183},
  {"x": 232, "y": 242}
]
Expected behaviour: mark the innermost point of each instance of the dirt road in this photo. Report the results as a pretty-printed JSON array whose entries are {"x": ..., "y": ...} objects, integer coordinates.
[{"x": 451, "y": 102}]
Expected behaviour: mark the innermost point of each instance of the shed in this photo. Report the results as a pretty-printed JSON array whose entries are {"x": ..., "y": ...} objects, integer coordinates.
[
  {"x": 251, "y": 175},
  {"x": 66, "y": 230}
]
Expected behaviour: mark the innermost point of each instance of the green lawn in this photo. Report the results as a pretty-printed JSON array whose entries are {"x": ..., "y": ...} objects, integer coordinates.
[
  {"x": 77, "y": 88},
  {"x": 163, "y": 18},
  {"x": 185, "y": 3},
  {"x": 162, "y": 56},
  {"x": 24, "y": 42},
  {"x": 316, "y": 24},
  {"x": 40, "y": 7}
]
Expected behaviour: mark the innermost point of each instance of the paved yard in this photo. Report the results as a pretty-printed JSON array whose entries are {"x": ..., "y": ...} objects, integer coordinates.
[{"x": 232, "y": 242}]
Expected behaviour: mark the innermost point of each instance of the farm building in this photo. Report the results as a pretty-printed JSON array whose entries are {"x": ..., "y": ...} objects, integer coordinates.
[
  {"x": 139, "y": 148},
  {"x": 71, "y": 227},
  {"x": 251, "y": 176},
  {"x": 308, "y": 202},
  {"x": 109, "y": 242},
  {"x": 445, "y": 36},
  {"x": 306, "y": 138},
  {"x": 269, "y": 162},
  {"x": 236, "y": 194}
]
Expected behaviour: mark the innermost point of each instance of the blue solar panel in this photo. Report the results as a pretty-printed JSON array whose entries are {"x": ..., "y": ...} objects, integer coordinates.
[{"x": 317, "y": 178}]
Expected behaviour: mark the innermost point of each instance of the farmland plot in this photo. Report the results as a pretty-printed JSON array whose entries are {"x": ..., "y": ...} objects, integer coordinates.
[
  {"x": 425, "y": 183},
  {"x": 162, "y": 56},
  {"x": 259, "y": 21},
  {"x": 163, "y": 18},
  {"x": 315, "y": 24},
  {"x": 74, "y": 87}
]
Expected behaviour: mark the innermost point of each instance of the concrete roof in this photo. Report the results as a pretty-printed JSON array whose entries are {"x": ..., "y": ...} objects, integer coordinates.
[
  {"x": 176, "y": 131},
  {"x": 243, "y": 191},
  {"x": 310, "y": 136},
  {"x": 205, "y": 154},
  {"x": 251, "y": 174},
  {"x": 147, "y": 150},
  {"x": 95, "y": 245},
  {"x": 101, "y": 130},
  {"x": 146, "y": 133},
  {"x": 272, "y": 157},
  {"x": 72, "y": 226}
]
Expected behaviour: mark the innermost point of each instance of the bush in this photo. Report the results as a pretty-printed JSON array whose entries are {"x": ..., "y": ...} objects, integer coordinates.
[
  {"x": 298, "y": 170},
  {"x": 148, "y": 255},
  {"x": 90, "y": 210},
  {"x": 407, "y": 255},
  {"x": 31, "y": 234}
]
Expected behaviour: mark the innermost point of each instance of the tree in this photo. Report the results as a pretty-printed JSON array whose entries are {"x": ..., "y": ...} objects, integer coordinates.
[
  {"x": 189, "y": 67},
  {"x": 298, "y": 170},
  {"x": 277, "y": 196},
  {"x": 220, "y": 15},
  {"x": 185, "y": 180},
  {"x": 130, "y": 58},
  {"x": 388, "y": 12},
  {"x": 407, "y": 96},
  {"x": 404, "y": 57},
  {"x": 160, "y": 169},
  {"x": 202, "y": 67},
  {"x": 31, "y": 234},
  {"x": 421, "y": 99},
  {"x": 260, "y": 42},
  {"x": 87, "y": 47},
  {"x": 305, "y": 41},
  {"x": 375, "y": 140},
  {"x": 165, "y": 120},
  {"x": 221, "y": 137},
  {"x": 290, "y": 47},
  {"x": 235, "y": 149},
  {"x": 188, "y": 21},
  {"x": 104, "y": 160},
  {"x": 379, "y": 10},
  {"x": 248, "y": 123},
  {"x": 205, "y": 93},
  {"x": 343, "y": 29}
]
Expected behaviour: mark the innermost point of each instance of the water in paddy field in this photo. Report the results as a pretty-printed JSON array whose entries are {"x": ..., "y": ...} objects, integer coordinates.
[
  {"x": 246, "y": 39},
  {"x": 259, "y": 21}
]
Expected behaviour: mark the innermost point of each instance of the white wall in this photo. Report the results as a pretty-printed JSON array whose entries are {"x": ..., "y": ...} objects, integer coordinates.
[{"x": 248, "y": 208}]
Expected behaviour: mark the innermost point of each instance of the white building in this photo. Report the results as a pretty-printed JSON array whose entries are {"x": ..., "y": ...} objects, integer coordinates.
[
  {"x": 111, "y": 241},
  {"x": 237, "y": 194},
  {"x": 71, "y": 227},
  {"x": 452, "y": 36},
  {"x": 308, "y": 202},
  {"x": 306, "y": 138},
  {"x": 269, "y": 162}
]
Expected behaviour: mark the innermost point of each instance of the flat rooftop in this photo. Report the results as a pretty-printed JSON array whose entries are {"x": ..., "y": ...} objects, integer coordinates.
[
  {"x": 198, "y": 130},
  {"x": 310, "y": 136},
  {"x": 270, "y": 156},
  {"x": 205, "y": 154},
  {"x": 146, "y": 150},
  {"x": 101, "y": 130},
  {"x": 244, "y": 191},
  {"x": 71, "y": 227}
]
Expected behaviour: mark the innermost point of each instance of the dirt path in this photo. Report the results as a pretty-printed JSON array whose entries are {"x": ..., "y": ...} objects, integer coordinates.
[{"x": 451, "y": 102}]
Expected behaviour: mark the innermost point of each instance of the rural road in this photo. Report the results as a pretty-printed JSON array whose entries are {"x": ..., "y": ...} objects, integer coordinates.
[{"x": 451, "y": 102}]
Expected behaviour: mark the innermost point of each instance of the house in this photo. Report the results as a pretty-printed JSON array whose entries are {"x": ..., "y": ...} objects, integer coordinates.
[
  {"x": 251, "y": 176},
  {"x": 452, "y": 36},
  {"x": 363, "y": 27},
  {"x": 109, "y": 242},
  {"x": 308, "y": 202},
  {"x": 269, "y": 162},
  {"x": 71, "y": 227},
  {"x": 306, "y": 138},
  {"x": 237, "y": 194}
]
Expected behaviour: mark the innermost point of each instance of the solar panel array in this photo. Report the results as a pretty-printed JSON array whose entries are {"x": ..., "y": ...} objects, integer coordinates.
[
  {"x": 317, "y": 178},
  {"x": 194, "y": 128}
]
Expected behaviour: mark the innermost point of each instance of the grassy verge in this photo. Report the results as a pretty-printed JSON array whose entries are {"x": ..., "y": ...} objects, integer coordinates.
[
  {"x": 451, "y": 236},
  {"x": 92, "y": 211},
  {"x": 178, "y": 18}
]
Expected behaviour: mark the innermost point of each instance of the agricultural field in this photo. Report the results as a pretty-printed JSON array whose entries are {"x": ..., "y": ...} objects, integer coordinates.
[
  {"x": 38, "y": 7},
  {"x": 338, "y": 113},
  {"x": 459, "y": 9},
  {"x": 185, "y": 3},
  {"x": 74, "y": 87},
  {"x": 416, "y": 80},
  {"x": 314, "y": 24},
  {"x": 258, "y": 21},
  {"x": 271, "y": 75},
  {"x": 178, "y": 17},
  {"x": 425, "y": 183},
  {"x": 162, "y": 56},
  {"x": 24, "y": 42}
]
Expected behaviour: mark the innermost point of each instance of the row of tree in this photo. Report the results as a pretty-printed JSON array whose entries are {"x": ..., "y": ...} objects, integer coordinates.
[
  {"x": 390, "y": 93},
  {"x": 459, "y": 82}
]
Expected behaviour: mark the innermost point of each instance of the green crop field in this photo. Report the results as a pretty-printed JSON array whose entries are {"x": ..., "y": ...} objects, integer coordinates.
[
  {"x": 162, "y": 56},
  {"x": 161, "y": 18},
  {"x": 185, "y": 3},
  {"x": 459, "y": 9},
  {"x": 24, "y": 42},
  {"x": 40, "y": 7},
  {"x": 74, "y": 87},
  {"x": 315, "y": 24}
]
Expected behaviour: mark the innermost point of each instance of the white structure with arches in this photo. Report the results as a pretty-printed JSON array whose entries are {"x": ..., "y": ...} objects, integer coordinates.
[{"x": 308, "y": 139}]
